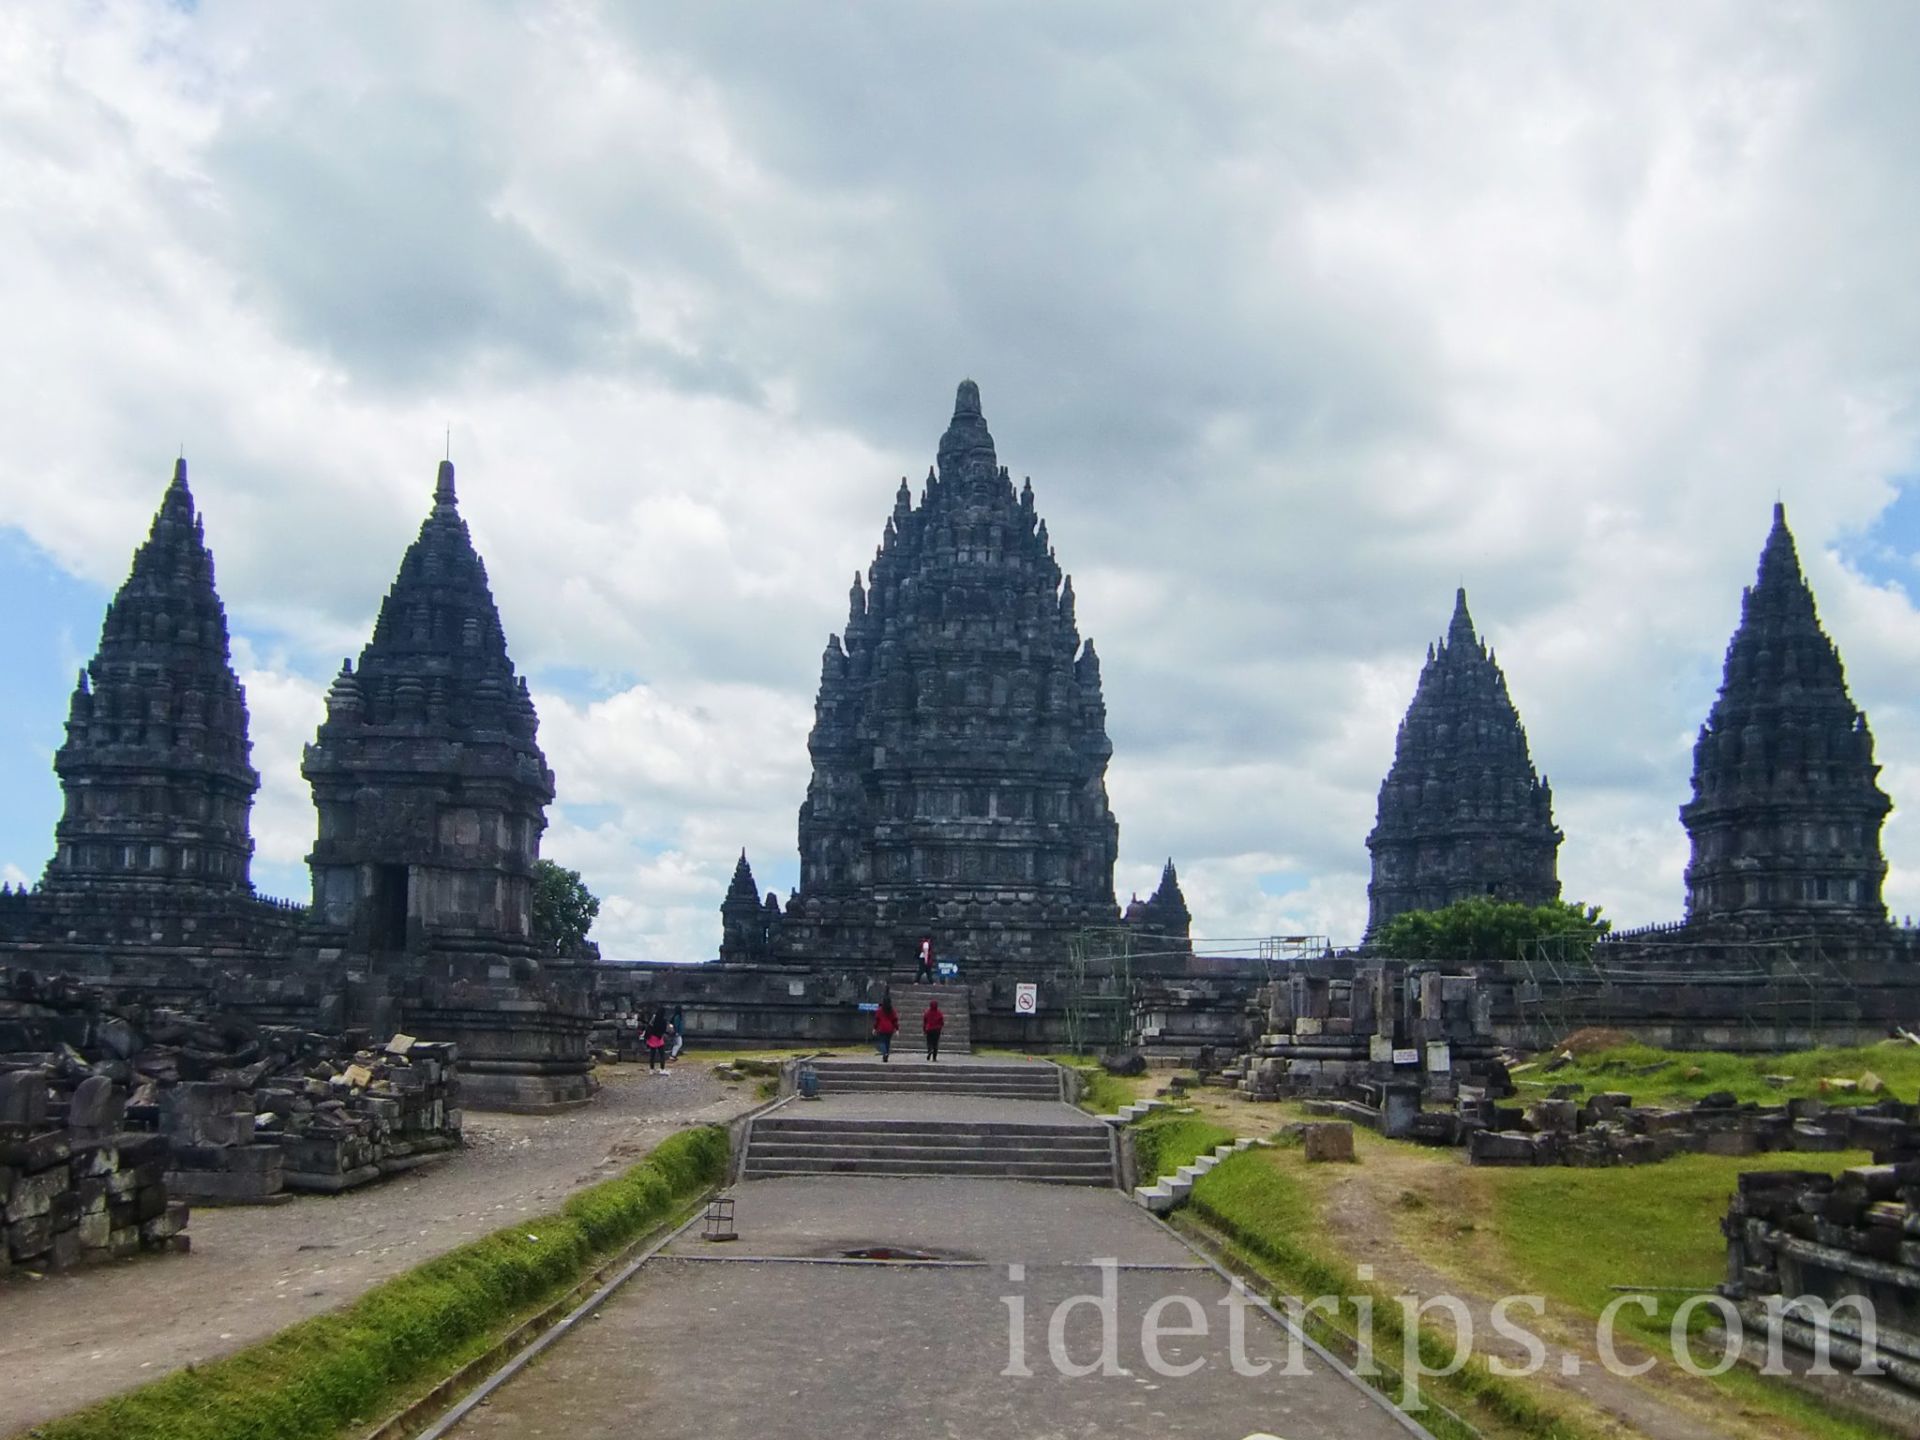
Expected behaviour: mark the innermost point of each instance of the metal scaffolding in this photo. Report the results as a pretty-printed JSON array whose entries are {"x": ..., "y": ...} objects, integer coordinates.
[
  {"x": 1562, "y": 982},
  {"x": 1104, "y": 1004}
]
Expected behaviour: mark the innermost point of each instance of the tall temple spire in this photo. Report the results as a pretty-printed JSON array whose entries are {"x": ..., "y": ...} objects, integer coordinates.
[
  {"x": 1163, "y": 917},
  {"x": 959, "y": 743},
  {"x": 435, "y": 717},
  {"x": 432, "y": 795},
  {"x": 967, "y": 447},
  {"x": 1462, "y": 811},
  {"x": 1787, "y": 808},
  {"x": 744, "y": 922},
  {"x": 1460, "y": 627},
  {"x": 155, "y": 767}
]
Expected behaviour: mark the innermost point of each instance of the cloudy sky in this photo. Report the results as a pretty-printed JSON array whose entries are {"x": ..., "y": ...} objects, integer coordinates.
[{"x": 1297, "y": 316}]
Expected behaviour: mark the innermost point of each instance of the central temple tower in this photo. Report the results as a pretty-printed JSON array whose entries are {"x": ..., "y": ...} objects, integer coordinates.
[{"x": 959, "y": 743}]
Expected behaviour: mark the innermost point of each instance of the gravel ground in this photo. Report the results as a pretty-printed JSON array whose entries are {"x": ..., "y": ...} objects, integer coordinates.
[{"x": 68, "y": 1340}]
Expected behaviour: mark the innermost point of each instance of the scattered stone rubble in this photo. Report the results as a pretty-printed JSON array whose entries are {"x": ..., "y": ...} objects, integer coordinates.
[
  {"x": 1609, "y": 1129},
  {"x": 233, "y": 1111},
  {"x": 1800, "y": 1242},
  {"x": 301, "y": 1119}
]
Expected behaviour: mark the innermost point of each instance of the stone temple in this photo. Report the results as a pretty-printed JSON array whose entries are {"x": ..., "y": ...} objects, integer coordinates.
[
  {"x": 149, "y": 883},
  {"x": 1161, "y": 922},
  {"x": 155, "y": 769},
  {"x": 432, "y": 793},
  {"x": 959, "y": 744},
  {"x": 1787, "y": 807},
  {"x": 958, "y": 789},
  {"x": 1462, "y": 812}
]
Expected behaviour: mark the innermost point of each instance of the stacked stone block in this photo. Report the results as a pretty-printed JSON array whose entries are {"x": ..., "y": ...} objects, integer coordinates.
[
  {"x": 341, "y": 1125},
  {"x": 75, "y": 1187},
  {"x": 1798, "y": 1236},
  {"x": 1609, "y": 1129},
  {"x": 1339, "y": 1028},
  {"x": 243, "y": 1113}
]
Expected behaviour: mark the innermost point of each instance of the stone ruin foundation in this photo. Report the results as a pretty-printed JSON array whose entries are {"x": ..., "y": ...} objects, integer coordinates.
[
  {"x": 1799, "y": 1244},
  {"x": 1609, "y": 1129},
  {"x": 77, "y": 1185},
  {"x": 1378, "y": 1038},
  {"x": 200, "y": 1105}
]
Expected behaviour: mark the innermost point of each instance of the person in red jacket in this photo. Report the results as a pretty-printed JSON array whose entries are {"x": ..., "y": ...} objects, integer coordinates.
[
  {"x": 933, "y": 1022},
  {"x": 886, "y": 1024}
]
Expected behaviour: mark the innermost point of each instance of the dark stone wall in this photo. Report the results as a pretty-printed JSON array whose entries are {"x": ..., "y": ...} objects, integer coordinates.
[{"x": 1726, "y": 986}]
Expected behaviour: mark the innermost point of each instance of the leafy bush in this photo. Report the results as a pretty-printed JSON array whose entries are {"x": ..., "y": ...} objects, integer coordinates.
[{"x": 1486, "y": 929}]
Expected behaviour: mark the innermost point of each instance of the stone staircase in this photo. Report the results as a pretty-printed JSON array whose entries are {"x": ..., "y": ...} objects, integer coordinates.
[
  {"x": 908, "y": 1074},
  {"x": 787, "y": 1144},
  {"x": 910, "y": 1003},
  {"x": 1172, "y": 1190}
]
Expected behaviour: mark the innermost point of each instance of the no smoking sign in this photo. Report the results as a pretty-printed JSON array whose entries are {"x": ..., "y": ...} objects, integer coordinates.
[{"x": 1026, "y": 999}]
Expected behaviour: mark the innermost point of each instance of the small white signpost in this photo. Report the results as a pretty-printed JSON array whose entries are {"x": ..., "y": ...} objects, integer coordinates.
[{"x": 1026, "y": 999}]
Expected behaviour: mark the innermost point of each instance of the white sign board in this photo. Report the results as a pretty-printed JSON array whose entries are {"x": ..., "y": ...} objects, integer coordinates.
[
  {"x": 1406, "y": 1057},
  {"x": 1026, "y": 999}
]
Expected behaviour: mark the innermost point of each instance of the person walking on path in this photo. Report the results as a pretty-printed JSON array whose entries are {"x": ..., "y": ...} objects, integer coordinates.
[
  {"x": 926, "y": 973},
  {"x": 886, "y": 1024},
  {"x": 655, "y": 1037},
  {"x": 933, "y": 1022},
  {"x": 678, "y": 1024}
]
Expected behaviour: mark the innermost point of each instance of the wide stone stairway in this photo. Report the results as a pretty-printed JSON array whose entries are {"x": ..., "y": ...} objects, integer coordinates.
[{"x": 999, "y": 1120}]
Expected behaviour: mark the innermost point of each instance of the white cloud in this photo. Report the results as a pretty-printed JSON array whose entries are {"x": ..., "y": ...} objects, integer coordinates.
[{"x": 1298, "y": 318}]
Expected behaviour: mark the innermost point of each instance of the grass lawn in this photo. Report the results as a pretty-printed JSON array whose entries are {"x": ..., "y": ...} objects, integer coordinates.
[
  {"x": 1664, "y": 1077},
  {"x": 1572, "y": 1234},
  {"x": 1256, "y": 1206},
  {"x": 1164, "y": 1143},
  {"x": 1101, "y": 1093},
  {"x": 1565, "y": 1234}
]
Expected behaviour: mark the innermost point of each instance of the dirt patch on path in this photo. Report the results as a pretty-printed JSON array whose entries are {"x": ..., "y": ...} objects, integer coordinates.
[
  {"x": 1410, "y": 1213},
  {"x": 72, "y": 1339},
  {"x": 1362, "y": 1205}
]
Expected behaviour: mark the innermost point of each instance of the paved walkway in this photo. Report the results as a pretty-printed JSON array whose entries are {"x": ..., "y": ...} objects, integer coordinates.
[
  {"x": 787, "y": 1333},
  {"x": 77, "y": 1337}
]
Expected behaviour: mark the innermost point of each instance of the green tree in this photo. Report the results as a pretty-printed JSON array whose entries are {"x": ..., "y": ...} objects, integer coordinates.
[
  {"x": 563, "y": 909},
  {"x": 1486, "y": 929}
]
